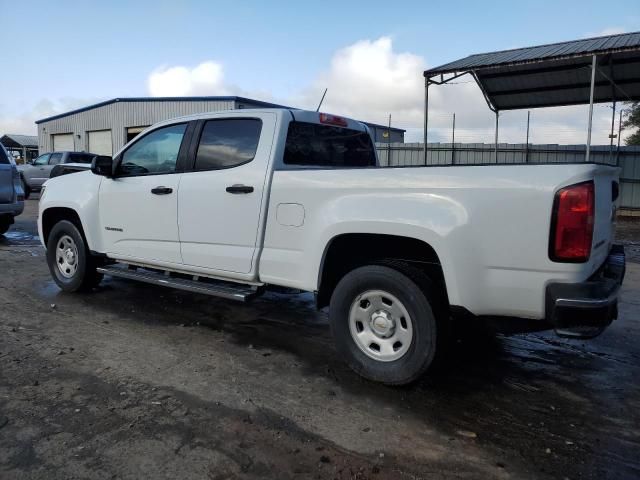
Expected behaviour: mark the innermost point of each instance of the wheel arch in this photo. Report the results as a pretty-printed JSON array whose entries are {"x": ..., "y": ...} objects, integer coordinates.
[
  {"x": 347, "y": 251},
  {"x": 53, "y": 215}
]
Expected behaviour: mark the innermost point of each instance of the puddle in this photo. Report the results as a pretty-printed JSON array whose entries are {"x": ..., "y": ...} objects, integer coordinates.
[{"x": 19, "y": 238}]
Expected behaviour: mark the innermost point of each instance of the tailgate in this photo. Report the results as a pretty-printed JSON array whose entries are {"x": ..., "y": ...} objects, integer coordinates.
[
  {"x": 606, "y": 180},
  {"x": 6, "y": 182}
]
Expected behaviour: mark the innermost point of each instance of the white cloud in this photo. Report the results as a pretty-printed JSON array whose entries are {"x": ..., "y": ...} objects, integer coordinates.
[
  {"x": 608, "y": 31},
  {"x": 207, "y": 78},
  {"x": 24, "y": 122},
  {"x": 369, "y": 81}
]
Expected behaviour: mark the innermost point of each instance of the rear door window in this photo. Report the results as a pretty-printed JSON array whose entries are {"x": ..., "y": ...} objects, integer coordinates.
[
  {"x": 314, "y": 145},
  {"x": 227, "y": 143}
]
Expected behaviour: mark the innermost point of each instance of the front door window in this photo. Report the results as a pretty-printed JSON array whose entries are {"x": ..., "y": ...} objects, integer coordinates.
[{"x": 154, "y": 154}]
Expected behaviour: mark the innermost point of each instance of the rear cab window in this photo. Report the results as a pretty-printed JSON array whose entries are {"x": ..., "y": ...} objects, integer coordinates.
[
  {"x": 80, "y": 158},
  {"x": 316, "y": 145}
]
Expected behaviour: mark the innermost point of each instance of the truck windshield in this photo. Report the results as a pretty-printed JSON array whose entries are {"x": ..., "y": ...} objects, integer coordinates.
[{"x": 311, "y": 144}]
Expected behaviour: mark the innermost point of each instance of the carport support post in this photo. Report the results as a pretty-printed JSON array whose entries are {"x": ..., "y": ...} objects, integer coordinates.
[
  {"x": 496, "y": 139},
  {"x": 593, "y": 84},
  {"x": 426, "y": 116}
]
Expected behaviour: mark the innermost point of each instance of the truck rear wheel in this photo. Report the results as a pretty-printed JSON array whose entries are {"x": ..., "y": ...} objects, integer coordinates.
[
  {"x": 384, "y": 324},
  {"x": 70, "y": 262}
]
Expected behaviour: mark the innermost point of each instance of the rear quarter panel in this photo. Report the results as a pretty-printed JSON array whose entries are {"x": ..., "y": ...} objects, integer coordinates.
[{"x": 489, "y": 226}]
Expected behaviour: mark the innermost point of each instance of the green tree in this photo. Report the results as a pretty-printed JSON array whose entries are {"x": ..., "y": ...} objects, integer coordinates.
[{"x": 633, "y": 122}]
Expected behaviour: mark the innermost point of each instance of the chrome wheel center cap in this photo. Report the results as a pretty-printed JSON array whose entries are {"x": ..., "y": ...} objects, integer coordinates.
[
  {"x": 70, "y": 256},
  {"x": 382, "y": 324}
]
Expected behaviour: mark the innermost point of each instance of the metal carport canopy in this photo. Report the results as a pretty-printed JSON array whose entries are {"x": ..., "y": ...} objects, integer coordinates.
[
  {"x": 578, "y": 72},
  {"x": 553, "y": 75}
]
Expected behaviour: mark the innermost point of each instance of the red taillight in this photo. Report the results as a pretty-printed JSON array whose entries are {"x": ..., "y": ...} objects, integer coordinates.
[
  {"x": 333, "y": 120},
  {"x": 572, "y": 224}
]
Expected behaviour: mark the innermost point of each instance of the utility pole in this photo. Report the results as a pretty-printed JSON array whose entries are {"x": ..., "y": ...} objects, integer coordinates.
[
  {"x": 426, "y": 117},
  {"x": 389, "y": 143},
  {"x": 526, "y": 148},
  {"x": 612, "y": 135},
  {"x": 619, "y": 136},
  {"x": 453, "y": 140}
]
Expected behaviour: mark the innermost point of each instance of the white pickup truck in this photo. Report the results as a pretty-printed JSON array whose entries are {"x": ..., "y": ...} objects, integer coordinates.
[{"x": 232, "y": 203}]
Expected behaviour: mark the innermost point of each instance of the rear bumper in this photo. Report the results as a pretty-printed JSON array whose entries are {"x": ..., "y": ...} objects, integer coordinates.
[{"x": 585, "y": 309}]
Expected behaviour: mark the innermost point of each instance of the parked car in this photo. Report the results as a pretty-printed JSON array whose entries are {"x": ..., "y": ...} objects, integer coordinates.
[
  {"x": 11, "y": 193},
  {"x": 232, "y": 203},
  {"x": 37, "y": 172}
]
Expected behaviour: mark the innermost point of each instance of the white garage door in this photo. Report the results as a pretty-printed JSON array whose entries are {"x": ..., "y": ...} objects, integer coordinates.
[
  {"x": 63, "y": 142},
  {"x": 100, "y": 142}
]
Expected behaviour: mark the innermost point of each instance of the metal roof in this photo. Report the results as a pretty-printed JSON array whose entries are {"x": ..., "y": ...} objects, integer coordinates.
[
  {"x": 163, "y": 99},
  {"x": 251, "y": 101},
  {"x": 554, "y": 74},
  {"x": 11, "y": 140}
]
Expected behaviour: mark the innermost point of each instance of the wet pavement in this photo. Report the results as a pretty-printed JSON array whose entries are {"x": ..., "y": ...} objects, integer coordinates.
[{"x": 135, "y": 381}]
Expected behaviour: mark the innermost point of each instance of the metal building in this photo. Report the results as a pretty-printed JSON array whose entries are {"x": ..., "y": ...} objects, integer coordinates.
[{"x": 105, "y": 127}]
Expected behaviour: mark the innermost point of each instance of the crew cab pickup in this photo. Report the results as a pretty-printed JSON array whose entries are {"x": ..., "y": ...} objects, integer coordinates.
[{"x": 233, "y": 203}]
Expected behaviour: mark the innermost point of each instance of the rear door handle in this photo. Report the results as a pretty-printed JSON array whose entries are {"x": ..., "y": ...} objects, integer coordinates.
[
  {"x": 162, "y": 190},
  {"x": 239, "y": 189}
]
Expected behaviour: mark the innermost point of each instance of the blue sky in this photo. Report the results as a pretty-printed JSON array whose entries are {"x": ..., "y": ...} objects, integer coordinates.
[{"x": 63, "y": 54}]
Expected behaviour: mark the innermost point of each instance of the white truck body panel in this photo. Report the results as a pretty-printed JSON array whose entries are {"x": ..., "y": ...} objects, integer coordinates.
[
  {"x": 489, "y": 225},
  {"x": 136, "y": 224}
]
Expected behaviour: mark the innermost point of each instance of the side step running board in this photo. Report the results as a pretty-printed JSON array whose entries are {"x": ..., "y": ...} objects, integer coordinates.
[{"x": 217, "y": 288}]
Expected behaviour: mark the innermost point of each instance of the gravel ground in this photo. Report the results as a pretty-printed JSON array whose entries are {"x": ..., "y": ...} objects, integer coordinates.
[
  {"x": 135, "y": 381},
  {"x": 628, "y": 233}
]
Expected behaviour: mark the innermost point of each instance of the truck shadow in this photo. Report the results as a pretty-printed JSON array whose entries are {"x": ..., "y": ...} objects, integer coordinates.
[{"x": 290, "y": 323}]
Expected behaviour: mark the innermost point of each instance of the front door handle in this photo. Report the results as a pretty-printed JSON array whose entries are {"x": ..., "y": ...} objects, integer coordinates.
[
  {"x": 239, "y": 189},
  {"x": 162, "y": 190}
]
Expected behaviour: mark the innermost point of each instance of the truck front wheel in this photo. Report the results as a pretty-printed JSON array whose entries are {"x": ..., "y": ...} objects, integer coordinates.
[
  {"x": 384, "y": 324},
  {"x": 70, "y": 262}
]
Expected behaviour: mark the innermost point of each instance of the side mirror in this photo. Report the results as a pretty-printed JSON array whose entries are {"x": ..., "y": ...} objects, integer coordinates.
[{"x": 102, "y": 165}]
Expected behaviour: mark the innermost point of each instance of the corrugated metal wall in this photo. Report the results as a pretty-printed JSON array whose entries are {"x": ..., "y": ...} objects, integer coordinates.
[
  {"x": 628, "y": 158},
  {"x": 118, "y": 117},
  {"x": 121, "y": 115}
]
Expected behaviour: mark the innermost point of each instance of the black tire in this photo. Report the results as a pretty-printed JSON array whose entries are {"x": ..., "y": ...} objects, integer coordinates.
[
  {"x": 27, "y": 190},
  {"x": 413, "y": 289},
  {"x": 5, "y": 223},
  {"x": 85, "y": 276}
]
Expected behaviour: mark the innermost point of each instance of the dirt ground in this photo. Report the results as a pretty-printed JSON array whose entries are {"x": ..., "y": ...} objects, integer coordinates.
[{"x": 135, "y": 381}]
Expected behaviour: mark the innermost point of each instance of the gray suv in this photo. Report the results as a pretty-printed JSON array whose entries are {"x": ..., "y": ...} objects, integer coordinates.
[
  {"x": 39, "y": 170},
  {"x": 11, "y": 193}
]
